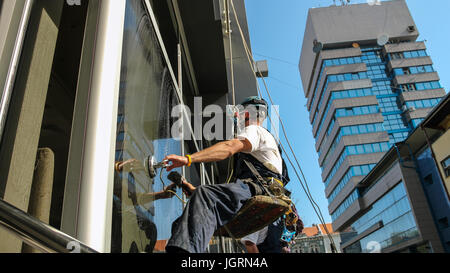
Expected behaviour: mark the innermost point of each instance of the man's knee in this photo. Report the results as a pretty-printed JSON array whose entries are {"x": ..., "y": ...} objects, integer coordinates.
[
  {"x": 249, "y": 243},
  {"x": 251, "y": 247}
]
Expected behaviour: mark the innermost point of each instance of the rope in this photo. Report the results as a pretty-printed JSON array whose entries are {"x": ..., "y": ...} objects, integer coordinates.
[
  {"x": 307, "y": 191},
  {"x": 233, "y": 87},
  {"x": 230, "y": 164},
  {"x": 233, "y": 90}
]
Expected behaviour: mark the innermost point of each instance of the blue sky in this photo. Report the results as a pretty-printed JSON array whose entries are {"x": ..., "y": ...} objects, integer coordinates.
[{"x": 276, "y": 32}]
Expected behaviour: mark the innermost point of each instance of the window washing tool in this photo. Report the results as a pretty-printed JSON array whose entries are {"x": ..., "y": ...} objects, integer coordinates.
[{"x": 153, "y": 166}]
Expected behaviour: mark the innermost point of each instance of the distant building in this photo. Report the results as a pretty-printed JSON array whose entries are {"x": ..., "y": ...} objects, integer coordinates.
[
  {"x": 404, "y": 204},
  {"x": 369, "y": 83},
  {"x": 315, "y": 240}
]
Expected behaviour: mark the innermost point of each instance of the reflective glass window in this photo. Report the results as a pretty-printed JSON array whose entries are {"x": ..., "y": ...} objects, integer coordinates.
[{"x": 147, "y": 96}]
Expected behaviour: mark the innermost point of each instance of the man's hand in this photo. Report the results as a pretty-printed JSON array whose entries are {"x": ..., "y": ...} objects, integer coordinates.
[
  {"x": 167, "y": 192},
  {"x": 188, "y": 188},
  {"x": 129, "y": 165},
  {"x": 177, "y": 161}
]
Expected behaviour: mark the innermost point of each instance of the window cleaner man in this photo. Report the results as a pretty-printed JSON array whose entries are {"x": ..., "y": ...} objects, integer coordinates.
[{"x": 213, "y": 206}]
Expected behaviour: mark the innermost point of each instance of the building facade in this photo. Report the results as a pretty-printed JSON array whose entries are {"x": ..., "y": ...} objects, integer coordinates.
[
  {"x": 412, "y": 207},
  {"x": 369, "y": 83},
  {"x": 87, "y": 85}
]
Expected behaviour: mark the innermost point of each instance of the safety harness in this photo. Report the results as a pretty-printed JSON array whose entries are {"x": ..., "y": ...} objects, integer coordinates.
[
  {"x": 260, "y": 178},
  {"x": 270, "y": 200}
]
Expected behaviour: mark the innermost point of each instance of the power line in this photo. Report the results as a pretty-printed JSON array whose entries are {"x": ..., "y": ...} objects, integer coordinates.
[
  {"x": 277, "y": 59},
  {"x": 285, "y": 83}
]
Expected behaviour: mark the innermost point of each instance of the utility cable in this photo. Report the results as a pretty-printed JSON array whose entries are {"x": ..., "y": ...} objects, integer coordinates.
[
  {"x": 276, "y": 59},
  {"x": 233, "y": 91}
]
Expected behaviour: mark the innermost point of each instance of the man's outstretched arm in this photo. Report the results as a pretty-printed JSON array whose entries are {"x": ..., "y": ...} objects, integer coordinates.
[{"x": 217, "y": 152}]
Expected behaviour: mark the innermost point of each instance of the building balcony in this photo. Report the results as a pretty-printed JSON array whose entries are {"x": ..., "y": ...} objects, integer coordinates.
[
  {"x": 400, "y": 63},
  {"x": 351, "y": 160},
  {"x": 344, "y": 121},
  {"x": 417, "y": 113},
  {"x": 354, "y": 140},
  {"x": 344, "y": 193},
  {"x": 421, "y": 95},
  {"x": 355, "y": 209},
  {"x": 401, "y": 47},
  {"x": 414, "y": 78},
  {"x": 331, "y": 70},
  {"x": 343, "y": 103}
]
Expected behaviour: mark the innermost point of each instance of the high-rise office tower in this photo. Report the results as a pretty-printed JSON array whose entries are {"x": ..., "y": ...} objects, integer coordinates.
[{"x": 368, "y": 82}]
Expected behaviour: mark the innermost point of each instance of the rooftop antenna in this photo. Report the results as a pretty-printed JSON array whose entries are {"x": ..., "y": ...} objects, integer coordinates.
[{"x": 343, "y": 2}]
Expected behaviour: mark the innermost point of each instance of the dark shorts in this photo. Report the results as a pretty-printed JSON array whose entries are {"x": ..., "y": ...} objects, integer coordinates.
[{"x": 209, "y": 207}]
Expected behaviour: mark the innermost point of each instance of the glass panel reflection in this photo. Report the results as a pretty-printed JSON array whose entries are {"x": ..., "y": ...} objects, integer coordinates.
[
  {"x": 399, "y": 225},
  {"x": 141, "y": 223}
]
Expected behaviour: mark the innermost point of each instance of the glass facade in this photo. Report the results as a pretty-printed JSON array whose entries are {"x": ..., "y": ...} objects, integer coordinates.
[
  {"x": 389, "y": 106},
  {"x": 420, "y": 86},
  {"x": 147, "y": 95},
  {"x": 395, "y": 122},
  {"x": 356, "y": 111},
  {"x": 407, "y": 54},
  {"x": 415, "y": 122},
  {"x": 337, "y": 78},
  {"x": 353, "y": 130},
  {"x": 428, "y": 103},
  {"x": 394, "y": 211},
  {"x": 413, "y": 70},
  {"x": 397, "y": 137},
  {"x": 345, "y": 205},
  {"x": 361, "y": 170},
  {"x": 342, "y": 61},
  {"x": 356, "y": 150},
  {"x": 436, "y": 193},
  {"x": 333, "y": 62}
]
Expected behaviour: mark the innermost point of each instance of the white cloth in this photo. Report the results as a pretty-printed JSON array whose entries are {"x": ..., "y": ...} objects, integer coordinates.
[
  {"x": 257, "y": 238},
  {"x": 264, "y": 147}
]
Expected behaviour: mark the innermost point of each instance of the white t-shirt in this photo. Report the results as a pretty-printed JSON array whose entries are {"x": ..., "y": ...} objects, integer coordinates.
[{"x": 264, "y": 147}]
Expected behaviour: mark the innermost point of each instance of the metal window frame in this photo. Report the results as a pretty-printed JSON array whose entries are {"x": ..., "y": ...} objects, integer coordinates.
[
  {"x": 38, "y": 234},
  {"x": 13, "y": 66}
]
